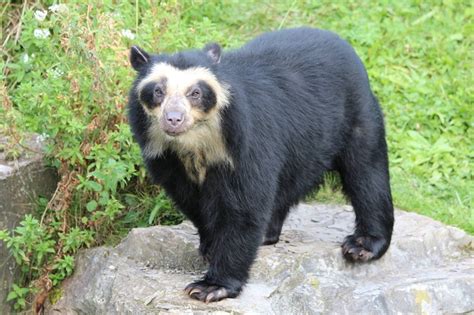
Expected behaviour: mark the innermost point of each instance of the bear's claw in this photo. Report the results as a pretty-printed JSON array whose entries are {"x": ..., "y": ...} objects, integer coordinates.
[
  {"x": 363, "y": 248},
  {"x": 207, "y": 293}
]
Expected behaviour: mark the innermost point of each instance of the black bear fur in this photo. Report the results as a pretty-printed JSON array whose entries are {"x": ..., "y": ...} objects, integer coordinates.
[{"x": 300, "y": 105}]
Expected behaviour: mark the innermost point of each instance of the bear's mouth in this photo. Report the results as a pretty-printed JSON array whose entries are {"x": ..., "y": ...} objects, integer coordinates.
[{"x": 174, "y": 133}]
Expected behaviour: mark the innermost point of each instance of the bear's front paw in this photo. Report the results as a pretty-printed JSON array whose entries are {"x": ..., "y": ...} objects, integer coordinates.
[
  {"x": 206, "y": 292},
  {"x": 358, "y": 248}
]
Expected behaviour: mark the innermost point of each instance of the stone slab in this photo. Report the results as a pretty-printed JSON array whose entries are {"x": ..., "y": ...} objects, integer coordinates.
[{"x": 428, "y": 269}]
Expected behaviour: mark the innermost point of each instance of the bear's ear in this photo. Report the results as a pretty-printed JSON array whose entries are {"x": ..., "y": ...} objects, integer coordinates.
[
  {"x": 138, "y": 57},
  {"x": 213, "y": 51}
]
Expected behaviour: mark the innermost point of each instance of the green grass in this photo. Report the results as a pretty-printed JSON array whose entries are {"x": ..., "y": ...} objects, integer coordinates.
[{"x": 72, "y": 88}]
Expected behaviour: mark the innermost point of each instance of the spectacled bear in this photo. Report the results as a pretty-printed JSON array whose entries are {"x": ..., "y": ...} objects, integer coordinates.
[{"x": 237, "y": 138}]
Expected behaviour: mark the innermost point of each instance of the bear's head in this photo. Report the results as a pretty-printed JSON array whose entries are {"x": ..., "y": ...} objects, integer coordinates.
[
  {"x": 182, "y": 99},
  {"x": 179, "y": 92}
]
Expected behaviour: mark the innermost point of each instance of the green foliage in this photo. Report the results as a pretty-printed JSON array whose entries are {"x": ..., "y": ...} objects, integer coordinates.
[
  {"x": 30, "y": 244},
  {"x": 62, "y": 269},
  {"x": 70, "y": 85},
  {"x": 18, "y": 295},
  {"x": 74, "y": 239},
  {"x": 330, "y": 191}
]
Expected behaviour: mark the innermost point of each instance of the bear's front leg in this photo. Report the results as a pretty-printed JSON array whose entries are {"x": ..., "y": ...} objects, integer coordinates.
[{"x": 230, "y": 246}]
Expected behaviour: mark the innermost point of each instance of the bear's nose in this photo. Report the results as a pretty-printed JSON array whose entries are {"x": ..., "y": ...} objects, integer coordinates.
[{"x": 174, "y": 118}]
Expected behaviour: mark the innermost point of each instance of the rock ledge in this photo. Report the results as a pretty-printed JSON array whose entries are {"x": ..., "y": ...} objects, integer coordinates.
[{"x": 429, "y": 268}]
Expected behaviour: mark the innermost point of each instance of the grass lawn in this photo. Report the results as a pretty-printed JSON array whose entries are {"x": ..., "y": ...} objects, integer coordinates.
[{"x": 418, "y": 55}]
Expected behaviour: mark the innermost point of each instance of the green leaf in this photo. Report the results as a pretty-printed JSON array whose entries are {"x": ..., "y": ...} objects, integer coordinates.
[
  {"x": 153, "y": 214},
  {"x": 4, "y": 234},
  {"x": 91, "y": 205},
  {"x": 21, "y": 302},
  {"x": 95, "y": 186},
  {"x": 11, "y": 296}
]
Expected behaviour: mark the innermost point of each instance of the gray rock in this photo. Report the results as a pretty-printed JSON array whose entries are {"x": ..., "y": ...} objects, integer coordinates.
[
  {"x": 429, "y": 268},
  {"x": 21, "y": 182}
]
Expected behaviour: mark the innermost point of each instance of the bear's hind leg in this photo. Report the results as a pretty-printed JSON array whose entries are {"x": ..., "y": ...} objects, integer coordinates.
[
  {"x": 272, "y": 234},
  {"x": 365, "y": 178}
]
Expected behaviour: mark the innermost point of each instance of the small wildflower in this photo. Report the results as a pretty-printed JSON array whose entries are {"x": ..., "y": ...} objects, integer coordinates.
[
  {"x": 58, "y": 8},
  {"x": 25, "y": 58},
  {"x": 128, "y": 34},
  {"x": 41, "y": 33},
  {"x": 40, "y": 15},
  {"x": 42, "y": 137},
  {"x": 57, "y": 73}
]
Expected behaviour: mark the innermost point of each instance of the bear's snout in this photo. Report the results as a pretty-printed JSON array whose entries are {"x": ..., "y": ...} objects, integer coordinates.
[{"x": 174, "y": 119}]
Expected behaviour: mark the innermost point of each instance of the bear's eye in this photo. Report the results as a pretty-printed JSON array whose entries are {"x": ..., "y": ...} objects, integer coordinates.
[
  {"x": 196, "y": 93},
  {"x": 158, "y": 92}
]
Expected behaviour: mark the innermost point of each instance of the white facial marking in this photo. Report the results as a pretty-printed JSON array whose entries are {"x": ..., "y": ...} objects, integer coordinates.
[
  {"x": 178, "y": 81},
  {"x": 202, "y": 145}
]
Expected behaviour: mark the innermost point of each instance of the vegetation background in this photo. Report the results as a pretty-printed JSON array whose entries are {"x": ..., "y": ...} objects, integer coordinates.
[{"x": 65, "y": 75}]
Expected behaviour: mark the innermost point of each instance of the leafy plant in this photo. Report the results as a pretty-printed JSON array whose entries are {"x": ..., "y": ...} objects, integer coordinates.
[
  {"x": 18, "y": 296},
  {"x": 30, "y": 244}
]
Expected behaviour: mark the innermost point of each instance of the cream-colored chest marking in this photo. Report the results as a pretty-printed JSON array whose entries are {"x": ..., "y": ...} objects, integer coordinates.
[
  {"x": 198, "y": 149},
  {"x": 195, "y": 165}
]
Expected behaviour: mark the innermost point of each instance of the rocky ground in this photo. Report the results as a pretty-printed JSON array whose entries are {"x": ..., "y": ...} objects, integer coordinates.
[
  {"x": 22, "y": 180},
  {"x": 428, "y": 269}
]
